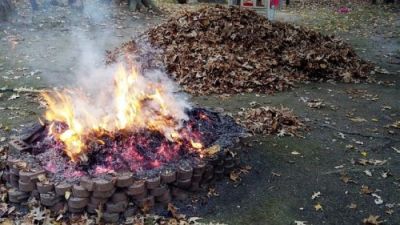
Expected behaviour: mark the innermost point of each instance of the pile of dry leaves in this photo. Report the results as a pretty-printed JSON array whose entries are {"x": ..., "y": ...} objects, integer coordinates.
[
  {"x": 230, "y": 50},
  {"x": 270, "y": 120}
]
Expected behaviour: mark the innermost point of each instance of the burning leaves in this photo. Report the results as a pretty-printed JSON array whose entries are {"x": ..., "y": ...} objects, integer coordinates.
[
  {"x": 270, "y": 120},
  {"x": 204, "y": 134},
  {"x": 137, "y": 103},
  {"x": 231, "y": 50}
]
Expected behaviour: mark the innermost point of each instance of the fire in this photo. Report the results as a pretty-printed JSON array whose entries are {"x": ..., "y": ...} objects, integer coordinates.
[
  {"x": 133, "y": 102},
  {"x": 196, "y": 145}
]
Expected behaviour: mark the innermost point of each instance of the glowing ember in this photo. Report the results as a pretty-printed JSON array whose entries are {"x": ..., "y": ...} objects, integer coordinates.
[{"x": 134, "y": 103}]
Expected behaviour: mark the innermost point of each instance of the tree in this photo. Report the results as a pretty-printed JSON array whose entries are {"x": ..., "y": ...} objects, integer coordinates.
[
  {"x": 137, "y": 5},
  {"x": 6, "y": 9}
]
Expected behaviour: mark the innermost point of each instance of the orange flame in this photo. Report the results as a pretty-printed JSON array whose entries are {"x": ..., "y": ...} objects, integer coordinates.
[
  {"x": 196, "y": 145},
  {"x": 137, "y": 103}
]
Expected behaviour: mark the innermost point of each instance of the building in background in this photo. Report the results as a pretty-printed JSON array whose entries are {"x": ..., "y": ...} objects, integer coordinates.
[{"x": 264, "y": 7}]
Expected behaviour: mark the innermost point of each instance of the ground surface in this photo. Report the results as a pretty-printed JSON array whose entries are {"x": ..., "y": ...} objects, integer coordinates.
[{"x": 350, "y": 155}]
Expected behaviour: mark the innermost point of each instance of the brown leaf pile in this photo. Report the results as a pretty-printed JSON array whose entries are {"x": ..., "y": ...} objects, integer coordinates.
[
  {"x": 231, "y": 50},
  {"x": 270, "y": 120}
]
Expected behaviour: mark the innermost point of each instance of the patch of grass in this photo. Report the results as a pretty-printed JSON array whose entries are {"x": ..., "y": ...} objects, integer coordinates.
[{"x": 361, "y": 20}]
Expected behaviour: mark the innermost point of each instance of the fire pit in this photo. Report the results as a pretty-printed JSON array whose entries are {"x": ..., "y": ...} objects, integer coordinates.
[{"x": 146, "y": 147}]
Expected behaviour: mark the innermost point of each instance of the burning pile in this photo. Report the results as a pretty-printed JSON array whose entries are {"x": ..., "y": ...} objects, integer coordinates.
[
  {"x": 135, "y": 143},
  {"x": 137, "y": 124},
  {"x": 233, "y": 50},
  {"x": 270, "y": 120},
  {"x": 138, "y": 102}
]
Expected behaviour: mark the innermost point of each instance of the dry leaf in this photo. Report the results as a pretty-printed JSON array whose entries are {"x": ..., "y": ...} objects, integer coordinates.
[
  {"x": 7, "y": 222},
  {"x": 346, "y": 179},
  {"x": 368, "y": 173},
  {"x": 67, "y": 195},
  {"x": 99, "y": 214},
  {"x": 378, "y": 200},
  {"x": 298, "y": 222},
  {"x": 315, "y": 195},
  {"x": 396, "y": 124},
  {"x": 235, "y": 176},
  {"x": 396, "y": 150},
  {"x": 212, "y": 192},
  {"x": 270, "y": 120},
  {"x": 14, "y": 96},
  {"x": 38, "y": 215},
  {"x": 174, "y": 211},
  {"x": 366, "y": 190},
  {"x": 358, "y": 119},
  {"x": 42, "y": 178},
  {"x": 318, "y": 207},
  {"x": 211, "y": 35},
  {"x": 372, "y": 220},
  {"x": 352, "y": 206}
]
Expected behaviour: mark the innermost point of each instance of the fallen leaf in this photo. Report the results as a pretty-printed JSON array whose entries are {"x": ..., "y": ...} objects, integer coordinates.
[
  {"x": 372, "y": 220},
  {"x": 212, "y": 192},
  {"x": 99, "y": 214},
  {"x": 318, "y": 207},
  {"x": 385, "y": 174},
  {"x": 396, "y": 124},
  {"x": 346, "y": 179},
  {"x": 38, "y": 214},
  {"x": 352, "y": 206},
  {"x": 298, "y": 222},
  {"x": 378, "y": 200},
  {"x": 67, "y": 195},
  {"x": 174, "y": 211},
  {"x": 366, "y": 190},
  {"x": 235, "y": 176},
  {"x": 358, "y": 119},
  {"x": 7, "y": 222},
  {"x": 389, "y": 211},
  {"x": 212, "y": 150},
  {"x": 194, "y": 220},
  {"x": 368, "y": 173},
  {"x": 315, "y": 195},
  {"x": 396, "y": 150},
  {"x": 14, "y": 96}
]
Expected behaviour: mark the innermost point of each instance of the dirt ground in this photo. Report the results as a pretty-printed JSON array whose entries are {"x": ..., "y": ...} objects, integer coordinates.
[{"x": 345, "y": 169}]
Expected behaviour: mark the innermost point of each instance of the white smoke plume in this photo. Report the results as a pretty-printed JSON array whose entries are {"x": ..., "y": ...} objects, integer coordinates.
[{"x": 95, "y": 95}]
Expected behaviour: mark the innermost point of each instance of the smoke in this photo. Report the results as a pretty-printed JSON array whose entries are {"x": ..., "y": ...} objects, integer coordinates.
[{"x": 115, "y": 96}]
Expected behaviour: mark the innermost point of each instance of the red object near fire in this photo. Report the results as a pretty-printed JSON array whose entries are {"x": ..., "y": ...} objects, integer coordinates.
[
  {"x": 248, "y": 3},
  {"x": 274, "y": 3}
]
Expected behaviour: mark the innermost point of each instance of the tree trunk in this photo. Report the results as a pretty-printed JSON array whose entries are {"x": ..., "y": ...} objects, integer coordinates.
[
  {"x": 374, "y": 2},
  {"x": 137, "y": 5},
  {"x": 6, "y": 9}
]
